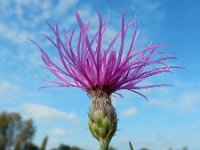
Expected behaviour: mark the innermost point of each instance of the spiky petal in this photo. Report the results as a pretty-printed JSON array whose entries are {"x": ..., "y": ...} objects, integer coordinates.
[{"x": 90, "y": 66}]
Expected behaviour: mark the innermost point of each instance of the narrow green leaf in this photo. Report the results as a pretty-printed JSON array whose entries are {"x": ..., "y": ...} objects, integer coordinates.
[
  {"x": 131, "y": 147},
  {"x": 44, "y": 143}
]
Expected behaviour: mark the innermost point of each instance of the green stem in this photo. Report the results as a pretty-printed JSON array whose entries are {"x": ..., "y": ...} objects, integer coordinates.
[{"x": 104, "y": 144}]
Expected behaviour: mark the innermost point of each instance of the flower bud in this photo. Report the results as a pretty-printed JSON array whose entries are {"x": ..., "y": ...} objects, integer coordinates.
[{"x": 102, "y": 118}]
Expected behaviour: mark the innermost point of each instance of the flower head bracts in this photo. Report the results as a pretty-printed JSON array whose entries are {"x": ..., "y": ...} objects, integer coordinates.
[{"x": 91, "y": 67}]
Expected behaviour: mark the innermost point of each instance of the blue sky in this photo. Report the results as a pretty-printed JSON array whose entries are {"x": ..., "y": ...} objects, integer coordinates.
[{"x": 171, "y": 116}]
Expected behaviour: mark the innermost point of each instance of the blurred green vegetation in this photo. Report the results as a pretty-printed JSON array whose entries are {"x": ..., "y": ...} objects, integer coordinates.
[
  {"x": 66, "y": 147},
  {"x": 17, "y": 134}
]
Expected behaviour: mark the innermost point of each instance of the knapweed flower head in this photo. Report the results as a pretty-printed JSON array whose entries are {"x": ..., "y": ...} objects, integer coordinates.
[
  {"x": 89, "y": 66},
  {"x": 102, "y": 71}
]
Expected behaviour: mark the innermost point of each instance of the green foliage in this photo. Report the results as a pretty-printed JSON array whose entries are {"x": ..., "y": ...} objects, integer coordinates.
[
  {"x": 131, "y": 146},
  {"x": 44, "y": 143},
  {"x": 66, "y": 147},
  {"x": 30, "y": 146},
  {"x": 111, "y": 148},
  {"x": 14, "y": 131},
  {"x": 185, "y": 148},
  {"x": 75, "y": 148},
  {"x": 144, "y": 149}
]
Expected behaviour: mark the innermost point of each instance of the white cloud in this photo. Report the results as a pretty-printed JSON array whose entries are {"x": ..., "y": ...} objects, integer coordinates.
[
  {"x": 131, "y": 111},
  {"x": 13, "y": 34},
  {"x": 63, "y": 6},
  {"x": 20, "y": 66},
  {"x": 59, "y": 133},
  {"x": 8, "y": 90},
  {"x": 144, "y": 7},
  {"x": 186, "y": 102},
  {"x": 8, "y": 87},
  {"x": 21, "y": 18},
  {"x": 23, "y": 1},
  {"x": 151, "y": 15},
  {"x": 46, "y": 113},
  {"x": 57, "y": 136}
]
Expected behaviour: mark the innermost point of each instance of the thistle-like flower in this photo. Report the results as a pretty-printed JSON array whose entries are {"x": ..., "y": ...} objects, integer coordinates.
[{"x": 103, "y": 71}]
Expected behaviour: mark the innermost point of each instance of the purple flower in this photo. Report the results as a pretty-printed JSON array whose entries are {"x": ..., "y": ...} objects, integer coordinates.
[
  {"x": 93, "y": 68},
  {"x": 103, "y": 71}
]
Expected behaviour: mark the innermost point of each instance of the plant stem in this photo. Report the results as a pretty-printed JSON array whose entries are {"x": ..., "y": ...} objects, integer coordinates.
[{"x": 104, "y": 144}]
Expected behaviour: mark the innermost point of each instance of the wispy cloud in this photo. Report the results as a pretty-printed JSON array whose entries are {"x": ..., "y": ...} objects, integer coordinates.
[
  {"x": 19, "y": 66},
  {"x": 48, "y": 113},
  {"x": 13, "y": 34},
  {"x": 185, "y": 102},
  {"x": 60, "y": 133},
  {"x": 63, "y": 6},
  {"x": 8, "y": 91},
  {"x": 20, "y": 19},
  {"x": 151, "y": 14},
  {"x": 131, "y": 111},
  {"x": 41, "y": 112},
  {"x": 58, "y": 136}
]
